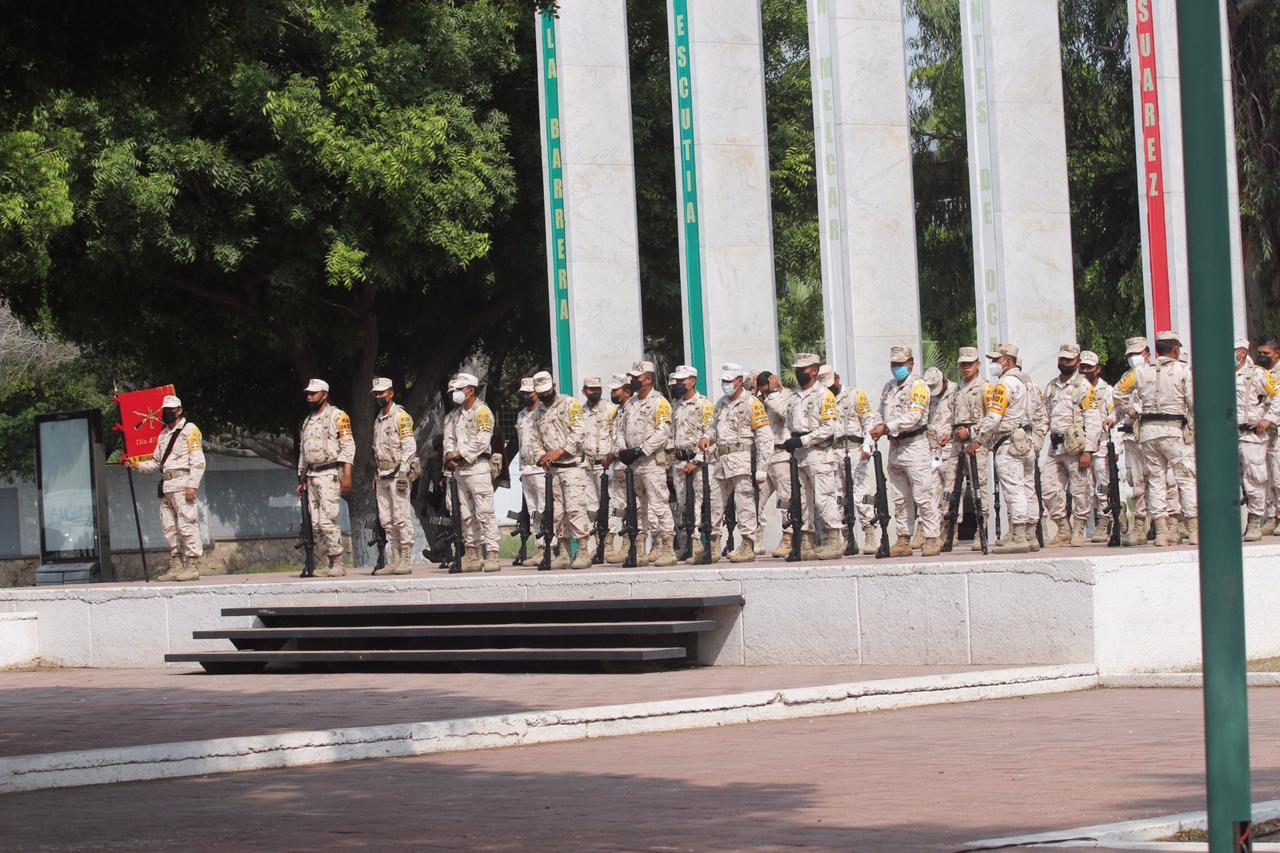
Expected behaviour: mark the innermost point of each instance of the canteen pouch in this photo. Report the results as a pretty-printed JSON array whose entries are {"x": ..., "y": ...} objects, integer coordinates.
[
  {"x": 1073, "y": 439},
  {"x": 415, "y": 469},
  {"x": 495, "y": 467},
  {"x": 663, "y": 458},
  {"x": 1019, "y": 442},
  {"x": 1189, "y": 433}
]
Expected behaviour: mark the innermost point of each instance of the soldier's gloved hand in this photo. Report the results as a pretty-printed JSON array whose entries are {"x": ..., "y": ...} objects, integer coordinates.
[
  {"x": 629, "y": 455},
  {"x": 793, "y": 444},
  {"x": 191, "y": 496}
]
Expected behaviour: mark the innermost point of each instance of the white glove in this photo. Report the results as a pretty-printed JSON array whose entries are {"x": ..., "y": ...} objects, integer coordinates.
[{"x": 762, "y": 477}]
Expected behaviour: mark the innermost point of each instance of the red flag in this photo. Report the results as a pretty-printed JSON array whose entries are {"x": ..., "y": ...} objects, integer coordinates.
[{"x": 140, "y": 421}]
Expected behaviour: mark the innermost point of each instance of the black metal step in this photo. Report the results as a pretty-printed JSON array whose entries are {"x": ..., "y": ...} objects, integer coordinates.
[
  {"x": 638, "y": 654},
  {"x": 488, "y": 606},
  {"x": 360, "y": 632}
]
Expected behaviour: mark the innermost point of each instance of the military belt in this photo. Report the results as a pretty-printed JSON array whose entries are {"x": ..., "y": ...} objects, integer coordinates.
[
  {"x": 726, "y": 447},
  {"x": 323, "y": 466},
  {"x": 850, "y": 441},
  {"x": 911, "y": 433},
  {"x": 686, "y": 455},
  {"x": 175, "y": 473},
  {"x": 1127, "y": 429},
  {"x": 1164, "y": 417}
]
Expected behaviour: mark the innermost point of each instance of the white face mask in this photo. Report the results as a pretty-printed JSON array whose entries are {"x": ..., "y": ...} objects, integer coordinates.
[
  {"x": 995, "y": 369},
  {"x": 459, "y": 397},
  {"x": 1135, "y": 360},
  {"x": 727, "y": 387}
]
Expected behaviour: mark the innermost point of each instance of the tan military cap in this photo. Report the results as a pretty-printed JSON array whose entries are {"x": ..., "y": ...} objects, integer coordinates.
[
  {"x": 933, "y": 378},
  {"x": 1069, "y": 351},
  {"x": 171, "y": 402},
  {"x": 1167, "y": 335},
  {"x": 466, "y": 380},
  {"x": 542, "y": 381},
  {"x": 901, "y": 352},
  {"x": 967, "y": 354},
  {"x": 616, "y": 381},
  {"x": 730, "y": 372},
  {"x": 591, "y": 382},
  {"x": 684, "y": 371},
  {"x": 316, "y": 385},
  {"x": 1135, "y": 346},
  {"x": 807, "y": 359},
  {"x": 1242, "y": 343},
  {"x": 640, "y": 367},
  {"x": 526, "y": 384},
  {"x": 1089, "y": 357},
  {"x": 1002, "y": 350},
  {"x": 826, "y": 375},
  {"x": 381, "y": 383}
]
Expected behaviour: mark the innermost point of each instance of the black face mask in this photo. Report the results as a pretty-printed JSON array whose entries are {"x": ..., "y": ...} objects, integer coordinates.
[
  {"x": 636, "y": 385},
  {"x": 678, "y": 389},
  {"x": 593, "y": 398},
  {"x": 1067, "y": 369},
  {"x": 169, "y": 416},
  {"x": 1262, "y": 360},
  {"x": 547, "y": 398},
  {"x": 803, "y": 378},
  {"x": 835, "y": 389},
  {"x": 615, "y": 399},
  {"x": 379, "y": 402},
  {"x": 526, "y": 400},
  {"x": 314, "y": 405}
]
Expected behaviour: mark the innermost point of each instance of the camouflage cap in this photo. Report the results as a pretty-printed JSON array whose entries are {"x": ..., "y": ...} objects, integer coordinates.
[
  {"x": 1167, "y": 335},
  {"x": 967, "y": 354},
  {"x": 591, "y": 382},
  {"x": 899, "y": 352},
  {"x": 1089, "y": 357},
  {"x": 731, "y": 371},
  {"x": 542, "y": 381},
  {"x": 466, "y": 380},
  {"x": 807, "y": 359},
  {"x": 617, "y": 380},
  {"x": 381, "y": 383},
  {"x": 1242, "y": 343},
  {"x": 684, "y": 371},
  {"x": 171, "y": 402},
  {"x": 1069, "y": 351},
  {"x": 640, "y": 368},
  {"x": 316, "y": 385},
  {"x": 1135, "y": 346},
  {"x": 933, "y": 378},
  {"x": 1003, "y": 350},
  {"x": 826, "y": 375}
]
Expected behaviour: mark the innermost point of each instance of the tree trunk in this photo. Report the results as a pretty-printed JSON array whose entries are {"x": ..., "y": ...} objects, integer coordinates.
[{"x": 360, "y": 503}]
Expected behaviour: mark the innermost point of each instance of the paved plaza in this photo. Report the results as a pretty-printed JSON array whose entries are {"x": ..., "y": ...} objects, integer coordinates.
[{"x": 924, "y": 779}]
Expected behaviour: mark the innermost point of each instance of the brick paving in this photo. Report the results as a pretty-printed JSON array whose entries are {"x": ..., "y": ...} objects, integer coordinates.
[
  {"x": 924, "y": 779},
  {"x": 64, "y": 709}
]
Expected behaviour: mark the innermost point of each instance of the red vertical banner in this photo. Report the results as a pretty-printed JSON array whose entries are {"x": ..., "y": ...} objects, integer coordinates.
[
  {"x": 1153, "y": 168},
  {"x": 140, "y": 421}
]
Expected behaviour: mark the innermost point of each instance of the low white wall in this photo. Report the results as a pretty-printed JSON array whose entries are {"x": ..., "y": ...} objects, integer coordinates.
[
  {"x": 1125, "y": 612},
  {"x": 19, "y": 642}
]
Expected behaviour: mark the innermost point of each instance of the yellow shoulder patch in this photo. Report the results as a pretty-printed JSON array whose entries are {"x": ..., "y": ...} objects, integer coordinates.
[
  {"x": 194, "y": 439},
  {"x": 1127, "y": 382},
  {"x": 344, "y": 425},
  {"x": 405, "y": 424},
  {"x": 998, "y": 400},
  {"x": 827, "y": 412},
  {"x": 662, "y": 415},
  {"x": 484, "y": 418},
  {"x": 920, "y": 396},
  {"x": 862, "y": 407},
  {"x": 708, "y": 412},
  {"x": 759, "y": 417},
  {"x": 1269, "y": 384},
  {"x": 575, "y": 411},
  {"x": 1090, "y": 400}
]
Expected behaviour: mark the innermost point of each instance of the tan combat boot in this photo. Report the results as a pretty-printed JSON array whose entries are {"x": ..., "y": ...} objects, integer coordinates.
[
  {"x": 582, "y": 560},
  {"x": 1061, "y": 534},
  {"x": 392, "y": 560},
  {"x": 917, "y": 537},
  {"x": 784, "y": 547},
  {"x": 716, "y": 548},
  {"x": 175, "y": 569},
  {"x": 808, "y": 547},
  {"x": 746, "y": 552},
  {"x": 1017, "y": 544},
  {"x": 1269, "y": 527},
  {"x": 612, "y": 553},
  {"x": 405, "y": 566},
  {"x": 336, "y": 569},
  {"x": 833, "y": 548},
  {"x": 560, "y": 559},
  {"x": 1178, "y": 530},
  {"x": 1163, "y": 538},
  {"x": 901, "y": 547},
  {"x": 190, "y": 569},
  {"x": 1102, "y": 533},
  {"x": 870, "y": 537},
  {"x": 1029, "y": 533},
  {"x": 490, "y": 563},
  {"x": 932, "y": 547},
  {"x": 1077, "y": 533},
  {"x": 1193, "y": 531},
  {"x": 471, "y": 561},
  {"x": 977, "y": 542},
  {"x": 1137, "y": 531},
  {"x": 665, "y": 551},
  {"x": 1253, "y": 529}
]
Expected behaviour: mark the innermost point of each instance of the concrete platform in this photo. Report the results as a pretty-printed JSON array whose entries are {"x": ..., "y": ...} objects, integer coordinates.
[{"x": 1122, "y": 611}]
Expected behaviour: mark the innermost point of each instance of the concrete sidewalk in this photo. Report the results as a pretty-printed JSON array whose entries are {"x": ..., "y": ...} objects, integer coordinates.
[{"x": 925, "y": 779}]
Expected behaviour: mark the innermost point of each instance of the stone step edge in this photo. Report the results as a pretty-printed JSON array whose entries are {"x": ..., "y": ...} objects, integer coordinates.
[{"x": 525, "y": 728}]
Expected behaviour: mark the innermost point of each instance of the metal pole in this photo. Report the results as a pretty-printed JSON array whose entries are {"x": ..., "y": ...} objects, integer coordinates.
[
  {"x": 1217, "y": 481},
  {"x": 137, "y": 522}
]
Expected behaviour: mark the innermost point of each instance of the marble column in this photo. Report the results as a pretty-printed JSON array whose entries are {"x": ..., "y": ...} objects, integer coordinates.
[
  {"x": 722, "y": 185},
  {"x": 1157, "y": 114},
  {"x": 593, "y": 259},
  {"x": 1018, "y": 178},
  {"x": 866, "y": 206}
]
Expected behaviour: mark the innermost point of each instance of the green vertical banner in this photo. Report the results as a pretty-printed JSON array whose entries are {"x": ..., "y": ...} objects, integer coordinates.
[
  {"x": 687, "y": 190},
  {"x": 557, "y": 253}
]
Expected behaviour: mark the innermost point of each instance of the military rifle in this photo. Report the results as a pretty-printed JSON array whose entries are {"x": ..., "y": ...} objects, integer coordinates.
[
  {"x": 975, "y": 493},
  {"x": 1113, "y": 493},
  {"x": 730, "y": 524},
  {"x": 378, "y": 541},
  {"x": 630, "y": 519},
  {"x": 953, "y": 505},
  {"x": 456, "y": 540},
  {"x": 306, "y": 539},
  {"x": 524, "y": 529},
  {"x": 1040, "y": 507},
  {"x": 882, "y": 503},
  {"x": 850, "y": 518},
  {"x": 795, "y": 511},
  {"x": 704, "y": 524},
  {"x": 547, "y": 527},
  {"x": 995, "y": 491},
  {"x": 755, "y": 485},
  {"x": 602, "y": 518},
  {"x": 687, "y": 522}
]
